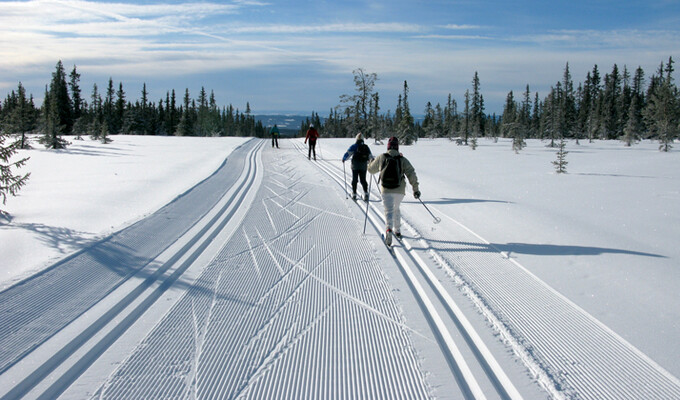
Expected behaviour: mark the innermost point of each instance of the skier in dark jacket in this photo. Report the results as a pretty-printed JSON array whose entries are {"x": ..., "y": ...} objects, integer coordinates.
[
  {"x": 312, "y": 135},
  {"x": 361, "y": 155},
  {"x": 275, "y": 136}
]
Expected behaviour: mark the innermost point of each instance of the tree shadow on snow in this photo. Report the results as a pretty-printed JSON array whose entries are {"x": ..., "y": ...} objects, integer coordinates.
[{"x": 58, "y": 238}]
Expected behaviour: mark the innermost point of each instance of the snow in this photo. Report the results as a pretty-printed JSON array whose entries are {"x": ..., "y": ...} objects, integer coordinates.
[
  {"x": 83, "y": 193},
  {"x": 605, "y": 235},
  {"x": 602, "y": 239}
]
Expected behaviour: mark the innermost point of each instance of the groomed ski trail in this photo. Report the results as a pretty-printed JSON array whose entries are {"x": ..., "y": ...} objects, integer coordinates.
[
  {"x": 567, "y": 351},
  {"x": 294, "y": 305},
  {"x": 59, "y": 322}
]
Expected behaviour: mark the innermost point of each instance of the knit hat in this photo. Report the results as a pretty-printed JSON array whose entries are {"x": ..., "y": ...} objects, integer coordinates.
[
  {"x": 359, "y": 137},
  {"x": 393, "y": 143}
]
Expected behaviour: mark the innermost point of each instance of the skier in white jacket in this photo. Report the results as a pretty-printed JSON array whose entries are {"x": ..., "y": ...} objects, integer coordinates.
[{"x": 393, "y": 167}]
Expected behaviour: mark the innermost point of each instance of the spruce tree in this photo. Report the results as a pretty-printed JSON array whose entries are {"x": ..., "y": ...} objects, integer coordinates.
[
  {"x": 119, "y": 111},
  {"x": 95, "y": 127},
  {"x": 561, "y": 162},
  {"x": 57, "y": 114},
  {"x": 108, "y": 107},
  {"x": 20, "y": 115},
  {"x": 567, "y": 105},
  {"x": 662, "y": 113},
  {"x": 10, "y": 182},
  {"x": 465, "y": 125},
  {"x": 450, "y": 117},
  {"x": 633, "y": 129},
  {"x": 405, "y": 128}
]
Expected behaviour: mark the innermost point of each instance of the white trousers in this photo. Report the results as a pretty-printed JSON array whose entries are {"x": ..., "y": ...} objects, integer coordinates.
[{"x": 391, "y": 202}]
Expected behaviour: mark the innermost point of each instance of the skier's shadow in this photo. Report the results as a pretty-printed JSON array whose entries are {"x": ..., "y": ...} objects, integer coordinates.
[
  {"x": 446, "y": 200},
  {"x": 529, "y": 248}
]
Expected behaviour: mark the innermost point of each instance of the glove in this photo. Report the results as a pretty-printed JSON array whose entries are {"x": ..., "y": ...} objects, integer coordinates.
[{"x": 416, "y": 194}]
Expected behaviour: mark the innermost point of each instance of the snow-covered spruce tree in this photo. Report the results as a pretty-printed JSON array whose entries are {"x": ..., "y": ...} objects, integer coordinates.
[
  {"x": 633, "y": 128},
  {"x": 20, "y": 115},
  {"x": 561, "y": 162},
  {"x": 405, "y": 128},
  {"x": 57, "y": 111},
  {"x": 477, "y": 111},
  {"x": 10, "y": 183},
  {"x": 663, "y": 110}
]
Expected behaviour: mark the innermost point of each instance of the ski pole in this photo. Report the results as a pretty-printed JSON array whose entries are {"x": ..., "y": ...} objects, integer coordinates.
[
  {"x": 376, "y": 185},
  {"x": 436, "y": 219},
  {"x": 344, "y": 174},
  {"x": 367, "y": 203}
]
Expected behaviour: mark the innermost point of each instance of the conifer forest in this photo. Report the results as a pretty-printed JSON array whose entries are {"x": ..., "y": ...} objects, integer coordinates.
[{"x": 615, "y": 105}]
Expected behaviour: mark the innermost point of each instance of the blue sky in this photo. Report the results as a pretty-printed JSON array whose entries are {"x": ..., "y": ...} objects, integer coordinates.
[{"x": 298, "y": 56}]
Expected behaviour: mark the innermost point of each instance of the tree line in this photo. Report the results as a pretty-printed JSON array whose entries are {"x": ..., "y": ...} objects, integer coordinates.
[
  {"x": 616, "y": 106},
  {"x": 66, "y": 112}
]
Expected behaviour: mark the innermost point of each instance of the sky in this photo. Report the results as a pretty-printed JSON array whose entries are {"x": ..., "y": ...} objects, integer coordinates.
[{"x": 299, "y": 56}]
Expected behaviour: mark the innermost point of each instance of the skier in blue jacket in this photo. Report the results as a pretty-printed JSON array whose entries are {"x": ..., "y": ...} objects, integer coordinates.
[{"x": 361, "y": 155}]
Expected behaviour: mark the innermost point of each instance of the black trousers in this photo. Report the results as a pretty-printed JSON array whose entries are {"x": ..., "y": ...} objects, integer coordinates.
[
  {"x": 359, "y": 174},
  {"x": 312, "y": 149},
  {"x": 275, "y": 141}
]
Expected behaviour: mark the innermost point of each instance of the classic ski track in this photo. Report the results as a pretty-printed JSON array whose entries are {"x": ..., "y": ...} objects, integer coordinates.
[
  {"x": 571, "y": 353},
  {"x": 467, "y": 382},
  {"x": 46, "y": 374},
  {"x": 310, "y": 332}
]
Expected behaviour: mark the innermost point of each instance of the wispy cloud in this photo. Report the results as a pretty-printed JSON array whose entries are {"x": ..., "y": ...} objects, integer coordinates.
[
  {"x": 590, "y": 39},
  {"x": 455, "y": 37},
  {"x": 328, "y": 28},
  {"x": 456, "y": 27},
  {"x": 145, "y": 41}
]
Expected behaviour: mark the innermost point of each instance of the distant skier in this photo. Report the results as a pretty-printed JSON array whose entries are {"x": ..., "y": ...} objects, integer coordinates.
[
  {"x": 275, "y": 136},
  {"x": 361, "y": 155},
  {"x": 393, "y": 166},
  {"x": 312, "y": 135}
]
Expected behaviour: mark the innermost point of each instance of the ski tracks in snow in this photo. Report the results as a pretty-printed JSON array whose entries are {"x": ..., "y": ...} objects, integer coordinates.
[
  {"x": 566, "y": 350},
  {"x": 314, "y": 319},
  {"x": 257, "y": 283},
  {"x": 269, "y": 293}
]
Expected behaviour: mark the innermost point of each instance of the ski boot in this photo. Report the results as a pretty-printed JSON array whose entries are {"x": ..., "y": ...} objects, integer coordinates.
[{"x": 388, "y": 237}]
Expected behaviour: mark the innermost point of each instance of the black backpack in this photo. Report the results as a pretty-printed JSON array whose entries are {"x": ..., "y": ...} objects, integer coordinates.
[
  {"x": 362, "y": 154},
  {"x": 390, "y": 173}
]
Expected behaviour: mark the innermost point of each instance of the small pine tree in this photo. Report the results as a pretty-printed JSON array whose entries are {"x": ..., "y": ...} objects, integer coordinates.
[
  {"x": 10, "y": 183},
  {"x": 561, "y": 162}
]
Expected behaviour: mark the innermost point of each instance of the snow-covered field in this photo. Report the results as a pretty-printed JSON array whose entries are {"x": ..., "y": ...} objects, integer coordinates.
[
  {"x": 600, "y": 241},
  {"x": 606, "y": 235},
  {"x": 89, "y": 190}
]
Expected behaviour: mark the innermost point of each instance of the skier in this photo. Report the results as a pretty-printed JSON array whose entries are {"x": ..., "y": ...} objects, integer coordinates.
[
  {"x": 361, "y": 155},
  {"x": 312, "y": 135},
  {"x": 275, "y": 136},
  {"x": 393, "y": 166}
]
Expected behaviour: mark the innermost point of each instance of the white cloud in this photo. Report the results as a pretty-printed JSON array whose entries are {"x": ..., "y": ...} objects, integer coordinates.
[
  {"x": 144, "y": 41},
  {"x": 327, "y": 28},
  {"x": 604, "y": 39},
  {"x": 460, "y": 27}
]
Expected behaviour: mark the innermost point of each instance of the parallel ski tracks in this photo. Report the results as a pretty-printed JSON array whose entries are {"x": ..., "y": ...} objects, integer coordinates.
[
  {"x": 569, "y": 352},
  {"x": 79, "y": 344},
  {"x": 431, "y": 300},
  {"x": 291, "y": 316}
]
